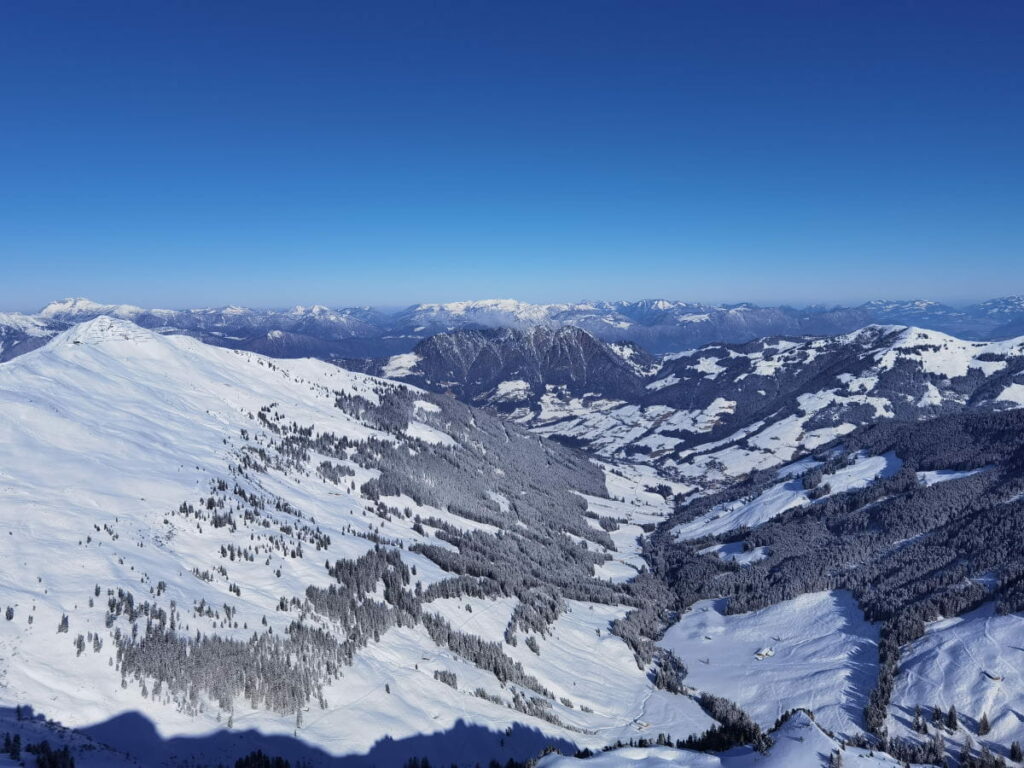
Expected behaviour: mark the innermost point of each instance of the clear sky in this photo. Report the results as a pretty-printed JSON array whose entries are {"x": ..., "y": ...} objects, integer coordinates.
[{"x": 173, "y": 153}]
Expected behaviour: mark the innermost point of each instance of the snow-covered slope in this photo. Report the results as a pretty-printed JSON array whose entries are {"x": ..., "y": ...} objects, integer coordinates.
[
  {"x": 798, "y": 743},
  {"x": 815, "y": 651},
  {"x": 787, "y": 494},
  {"x": 243, "y": 543},
  {"x": 972, "y": 663}
]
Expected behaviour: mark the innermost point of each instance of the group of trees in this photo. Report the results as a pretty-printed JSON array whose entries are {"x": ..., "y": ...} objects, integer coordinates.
[{"x": 734, "y": 727}]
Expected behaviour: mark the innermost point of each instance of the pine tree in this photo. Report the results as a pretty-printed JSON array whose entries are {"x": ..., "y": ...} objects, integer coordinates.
[
  {"x": 918, "y": 721},
  {"x": 983, "y": 726},
  {"x": 965, "y": 752},
  {"x": 952, "y": 721},
  {"x": 1016, "y": 753}
]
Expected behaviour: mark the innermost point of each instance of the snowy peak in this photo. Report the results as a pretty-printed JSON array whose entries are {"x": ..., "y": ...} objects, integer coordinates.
[
  {"x": 761, "y": 402},
  {"x": 102, "y": 329},
  {"x": 883, "y": 308},
  {"x": 70, "y": 306},
  {"x": 74, "y": 309}
]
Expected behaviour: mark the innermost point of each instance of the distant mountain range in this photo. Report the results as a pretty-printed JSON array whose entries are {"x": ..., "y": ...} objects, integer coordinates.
[{"x": 658, "y": 326}]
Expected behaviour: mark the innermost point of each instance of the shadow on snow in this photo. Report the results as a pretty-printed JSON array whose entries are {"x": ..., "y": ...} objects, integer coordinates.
[{"x": 132, "y": 733}]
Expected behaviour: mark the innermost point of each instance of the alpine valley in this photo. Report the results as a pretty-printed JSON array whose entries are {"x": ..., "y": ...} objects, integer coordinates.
[{"x": 491, "y": 533}]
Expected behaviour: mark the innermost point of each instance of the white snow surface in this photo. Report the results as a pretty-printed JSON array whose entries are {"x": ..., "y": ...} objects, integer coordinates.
[
  {"x": 734, "y": 552},
  {"x": 824, "y": 657},
  {"x": 398, "y": 366},
  {"x": 971, "y": 662},
  {"x": 750, "y": 513},
  {"x": 799, "y": 743},
  {"x": 944, "y": 475},
  {"x": 512, "y": 391},
  {"x": 1013, "y": 394}
]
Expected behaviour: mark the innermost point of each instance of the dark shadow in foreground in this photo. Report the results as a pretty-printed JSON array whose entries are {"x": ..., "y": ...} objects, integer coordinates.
[{"x": 463, "y": 744}]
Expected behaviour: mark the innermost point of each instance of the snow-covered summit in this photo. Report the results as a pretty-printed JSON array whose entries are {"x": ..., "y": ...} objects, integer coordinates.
[
  {"x": 102, "y": 329},
  {"x": 81, "y": 308}
]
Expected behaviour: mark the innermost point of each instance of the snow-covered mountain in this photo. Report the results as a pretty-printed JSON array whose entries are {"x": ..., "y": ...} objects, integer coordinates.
[
  {"x": 315, "y": 331},
  {"x": 506, "y": 367},
  {"x": 223, "y": 542},
  {"x": 660, "y": 325},
  {"x": 724, "y": 409},
  {"x": 657, "y": 325},
  {"x": 21, "y": 333},
  {"x": 798, "y": 742}
]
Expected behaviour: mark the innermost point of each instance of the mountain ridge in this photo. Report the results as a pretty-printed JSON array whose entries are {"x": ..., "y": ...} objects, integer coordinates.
[
  {"x": 762, "y": 398},
  {"x": 657, "y": 325}
]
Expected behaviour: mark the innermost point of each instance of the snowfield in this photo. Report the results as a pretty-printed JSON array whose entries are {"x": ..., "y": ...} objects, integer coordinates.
[
  {"x": 799, "y": 743},
  {"x": 815, "y": 651},
  {"x": 944, "y": 475},
  {"x": 972, "y": 662}
]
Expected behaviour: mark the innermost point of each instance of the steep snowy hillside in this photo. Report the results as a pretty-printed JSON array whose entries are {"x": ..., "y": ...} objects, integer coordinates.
[
  {"x": 223, "y": 542},
  {"x": 814, "y": 652},
  {"x": 507, "y": 369}
]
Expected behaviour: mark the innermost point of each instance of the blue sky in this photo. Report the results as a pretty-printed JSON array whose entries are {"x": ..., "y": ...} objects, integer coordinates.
[{"x": 191, "y": 153}]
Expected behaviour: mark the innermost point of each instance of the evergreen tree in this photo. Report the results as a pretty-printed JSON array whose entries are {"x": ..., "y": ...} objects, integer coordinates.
[
  {"x": 983, "y": 725},
  {"x": 965, "y": 752}
]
